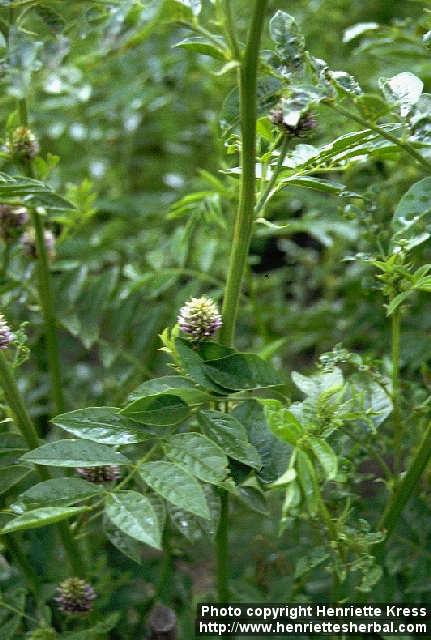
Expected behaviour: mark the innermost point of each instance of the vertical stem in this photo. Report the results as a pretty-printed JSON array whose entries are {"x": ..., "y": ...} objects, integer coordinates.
[
  {"x": 407, "y": 486},
  {"x": 29, "y": 433},
  {"x": 17, "y": 406},
  {"x": 47, "y": 303},
  {"x": 247, "y": 197},
  {"x": 395, "y": 346},
  {"x": 267, "y": 193},
  {"x": 46, "y": 297},
  {"x": 222, "y": 549},
  {"x": 242, "y": 233},
  {"x": 163, "y": 591}
]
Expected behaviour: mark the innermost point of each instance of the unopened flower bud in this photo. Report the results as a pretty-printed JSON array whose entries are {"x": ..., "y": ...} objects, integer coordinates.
[
  {"x": 22, "y": 144},
  {"x": 306, "y": 123},
  {"x": 12, "y": 219},
  {"x": 6, "y": 335},
  {"x": 199, "y": 318},
  {"x": 99, "y": 475},
  {"x": 75, "y": 595},
  {"x": 28, "y": 242}
]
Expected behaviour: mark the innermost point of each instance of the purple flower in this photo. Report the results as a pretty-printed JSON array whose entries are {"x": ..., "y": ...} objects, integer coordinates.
[
  {"x": 99, "y": 475},
  {"x": 199, "y": 318},
  {"x": 75, "y": 595},
  {"x": 12, "y": 219},
  {"x": 28, "y": 242},
  {"x": 304, "y": 125},
  {"x": 6, "y": 335}
]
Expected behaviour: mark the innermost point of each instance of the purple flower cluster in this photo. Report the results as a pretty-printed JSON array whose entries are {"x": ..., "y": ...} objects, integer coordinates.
[
  {"x": 99, "y": 475},
  {"x": 12, "y": 219},
  {"x": 305, "y": 124},
  {"x": 199, "y": 318},
  {"x": 28, "y": 242},
  {"x": 74, "y": 595},
  {"x": 6, "y": 335}
]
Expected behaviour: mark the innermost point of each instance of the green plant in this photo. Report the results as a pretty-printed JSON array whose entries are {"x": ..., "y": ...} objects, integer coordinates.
[{"x": 215, "y": 357}]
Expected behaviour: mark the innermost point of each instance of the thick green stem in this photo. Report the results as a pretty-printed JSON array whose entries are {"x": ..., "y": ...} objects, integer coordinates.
[
  {"x": 243, "y": 229},
  {"x": 405, "y": 489},
  {"x": 395, "y": 346},
  {"x": 29, "y": 433},
  {"x": 46, "y": 299},
  {"x": 247, "y": 197},
  {"x": 408, "y": 148},
  {"x": 222, "y": 550},
  {"x": 17, "y": 406},
  {"x": 164, "y": 586}
]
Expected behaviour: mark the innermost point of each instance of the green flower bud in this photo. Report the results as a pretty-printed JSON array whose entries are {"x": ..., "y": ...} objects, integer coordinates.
[
  {"x": 199, "y": 318},
  {"x": 22, "y": 144}
]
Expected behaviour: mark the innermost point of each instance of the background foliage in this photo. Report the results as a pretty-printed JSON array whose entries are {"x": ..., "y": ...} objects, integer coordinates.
[{"x": 138, "y": 129}]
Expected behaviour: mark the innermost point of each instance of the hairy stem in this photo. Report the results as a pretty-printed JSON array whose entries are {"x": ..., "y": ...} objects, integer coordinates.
[
  {"x": 29, "y": 433},
  {"x": 247, "y": 196}
]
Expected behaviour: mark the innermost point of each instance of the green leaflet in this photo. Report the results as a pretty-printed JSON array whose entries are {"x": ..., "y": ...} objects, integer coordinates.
[
  {"x": 204, "y": 46},
  {"x": 281, "y": 421},
  {"x": 199, "y": 455},
  {"x": 174, "y": 385},
  {"x": 163, "y": 409},
  {"x": 326, "y": 456},
  {"x": 10, "y": 476},
  {"x": 274, "y": 455},
  {"x": 58, "y": 491},
  {"x": 412, "y": 216},
  {"x": 127, "y": 545},
  {"x": 134, "y": 515},
  {"x": 175, "y": 485},
  {"x": 292, "y": 499},
  {"x": 101, "y": 424},
  {"x": 289, "y": 40},
  {"x": 253, "y": 498},
  {"x": 74, "y": 453},
  {"x": 230, "y": 435},
  {"x": 242, "y": 371},
  {"x": 36, "y": 192},
  {"x": 308, "y": 481},
  {"x": 193, "y": 366},
  {"x": 41, "y": 518}
]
